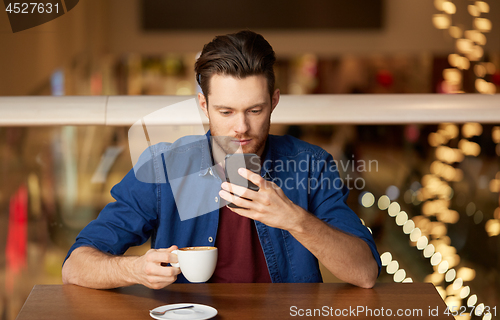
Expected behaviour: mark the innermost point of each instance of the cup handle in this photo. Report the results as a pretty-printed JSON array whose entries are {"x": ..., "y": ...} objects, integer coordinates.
[{"x": 176, "y": 265}]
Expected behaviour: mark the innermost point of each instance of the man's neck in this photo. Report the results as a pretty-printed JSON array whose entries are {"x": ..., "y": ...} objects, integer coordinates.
[{"x": 218, "y": 154}]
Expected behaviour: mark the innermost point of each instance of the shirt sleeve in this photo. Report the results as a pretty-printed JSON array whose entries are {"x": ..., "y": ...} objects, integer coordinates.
[
  {"x": 129, "y": 221},
  {"x": 328, "y": 203}
]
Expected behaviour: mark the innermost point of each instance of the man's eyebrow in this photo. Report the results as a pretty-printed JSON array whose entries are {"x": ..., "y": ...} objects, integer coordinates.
[{"x": 231, "y": 108}]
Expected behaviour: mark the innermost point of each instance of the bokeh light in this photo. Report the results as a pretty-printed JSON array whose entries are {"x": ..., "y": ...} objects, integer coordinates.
[
  {"x": 443, "y": 267},
  {"x": 479, "y": 70},
  {"x": 452, "y": 75},
  {"x": 450, "y": 275},
  {"x": 490, "y": 67},
  {"x": 384, "y": 202},
  {"x": 392, "y": 192},
  {"x": 472, "y": 300},
  {"x": 479, "y": 309},
  {"x": 408, "y": 226},
  {"x": 392, "y": 267},
  {"x": 472, "y": 129},
  {"x": 464, "y": 46},
  {"x": 467, "y": 274},
  {"x": 415, "y": 234},
  {"x": 473, "y": 10},
  {"x": 481, "y": 24},
  {"x": 495, "y": 134},
  {"x": 401, "y": 218},
  {"x": 429, "y": 251},
  {"x": 464, "y": 293},
  {"x": 394, "y": 209},
  {"x": 399, "y": 275},
  {"x": 478, "y": 217},
  {"x": 470, "y": 209},
  {"x": 422, "y": 242},
  {"x": 386, "y": 258},
  {"x": 470, "y": 148},
  {"x": 367, "y": 199},
  {"x": 441, "y": 21},
  {"x": 457, "y": 284},
  {"x": 482, "y": 6},
  {"x": 492, "y": 227},
  {"x": 436, "y": 259},
  {"x": 439, "y": 4},
  {"x": 449, "y": 7}
]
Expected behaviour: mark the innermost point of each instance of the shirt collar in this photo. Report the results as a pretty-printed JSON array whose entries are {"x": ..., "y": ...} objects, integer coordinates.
[
  {"x": 206, "y": 157},
  {"x": 267, "y": 163}
]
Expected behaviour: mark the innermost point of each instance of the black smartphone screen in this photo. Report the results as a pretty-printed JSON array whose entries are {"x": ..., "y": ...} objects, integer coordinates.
[{"x": 235, "y": 161}]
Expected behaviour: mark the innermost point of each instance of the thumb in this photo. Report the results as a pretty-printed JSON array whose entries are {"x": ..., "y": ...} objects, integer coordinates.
[{"x": 172, "y": 248}]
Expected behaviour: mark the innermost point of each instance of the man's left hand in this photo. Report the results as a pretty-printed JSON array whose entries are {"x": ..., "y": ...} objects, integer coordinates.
[{"x": 269, "y": 205}]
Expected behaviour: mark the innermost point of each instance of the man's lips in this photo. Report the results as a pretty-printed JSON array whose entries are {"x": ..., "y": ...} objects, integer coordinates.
[{"x": 242, "y": 141}]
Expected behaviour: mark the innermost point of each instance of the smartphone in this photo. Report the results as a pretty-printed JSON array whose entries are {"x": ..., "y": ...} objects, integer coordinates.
[{"x": 233, "y": 162}]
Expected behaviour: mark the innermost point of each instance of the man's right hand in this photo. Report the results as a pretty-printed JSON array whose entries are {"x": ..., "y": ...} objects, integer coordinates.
[
  {"x": 91, "y": 268},
  {"x": 151, "y": 269}
]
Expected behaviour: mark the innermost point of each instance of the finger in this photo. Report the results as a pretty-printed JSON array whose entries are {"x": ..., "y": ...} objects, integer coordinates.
[
  {"x": 242, "y": 212},
  {"x": 160, "y": 256},
  {"x": 157, "y": 285},
  {"x": 252, "y": 176},
  {"x": 172, "y": 258},
  {"x": 159, "y": 271},
  {"x": 166, "y": 271},
  {"x": 158, "y": 282},
  {"x": 239, "y": 190},
  {"x": 240, "y": 202},
  {"x": 176, "y": 271},
  {"x": 258, "y": 180},
  {"x": 172, "y": 248}
]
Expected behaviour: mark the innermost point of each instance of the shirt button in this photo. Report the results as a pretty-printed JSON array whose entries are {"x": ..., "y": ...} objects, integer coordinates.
[
  {"x": 210, "y": 239},
  {"x": 216, "y": 199}
]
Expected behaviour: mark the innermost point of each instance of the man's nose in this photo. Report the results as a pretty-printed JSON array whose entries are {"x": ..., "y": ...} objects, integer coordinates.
[{"x": 241, "y": 125}]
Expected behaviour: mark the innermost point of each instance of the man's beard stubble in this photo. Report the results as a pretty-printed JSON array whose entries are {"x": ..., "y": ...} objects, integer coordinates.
[{"x": 224, "y": 142}]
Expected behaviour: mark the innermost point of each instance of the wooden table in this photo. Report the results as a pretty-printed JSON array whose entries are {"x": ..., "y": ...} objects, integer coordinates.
[{"x": 239, "y": 301}]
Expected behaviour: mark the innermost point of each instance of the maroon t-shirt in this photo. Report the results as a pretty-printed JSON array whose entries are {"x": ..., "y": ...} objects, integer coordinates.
[{"x": 240, "y": 256}]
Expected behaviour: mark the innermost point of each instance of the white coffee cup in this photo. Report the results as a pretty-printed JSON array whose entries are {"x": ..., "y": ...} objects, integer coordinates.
[{"x": 197, "y": 263}]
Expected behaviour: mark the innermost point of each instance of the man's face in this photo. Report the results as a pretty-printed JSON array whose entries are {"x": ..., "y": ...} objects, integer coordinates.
[{"x": 239, "y": 111}]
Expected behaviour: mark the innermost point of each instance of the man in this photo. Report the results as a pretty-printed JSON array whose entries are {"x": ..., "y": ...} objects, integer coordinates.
[{"x": 279, "y": 233}]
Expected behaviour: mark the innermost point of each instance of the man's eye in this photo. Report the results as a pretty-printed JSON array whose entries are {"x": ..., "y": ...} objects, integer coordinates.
[
  {"x": 225, "y": 113},
  {"x": 256, "y": 111}
]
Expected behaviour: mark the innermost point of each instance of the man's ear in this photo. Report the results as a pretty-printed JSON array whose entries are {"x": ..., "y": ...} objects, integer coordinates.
[
  {"x": 203, "y": 103},
  {"x": 275, "y": 99}
]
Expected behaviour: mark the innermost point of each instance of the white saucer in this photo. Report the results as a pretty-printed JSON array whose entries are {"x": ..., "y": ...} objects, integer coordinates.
[{"x": 198, "y": 312}]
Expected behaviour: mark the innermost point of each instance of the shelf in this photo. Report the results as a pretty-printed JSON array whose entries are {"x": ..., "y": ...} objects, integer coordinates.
[{"x": 292, "y": 109}]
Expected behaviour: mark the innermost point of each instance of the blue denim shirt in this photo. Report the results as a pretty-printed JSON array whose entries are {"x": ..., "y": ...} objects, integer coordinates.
[{"x": 306, "y": 173}]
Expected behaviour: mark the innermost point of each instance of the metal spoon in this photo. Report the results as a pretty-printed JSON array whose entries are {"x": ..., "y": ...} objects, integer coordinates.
[{"x": 160, "y": 313}]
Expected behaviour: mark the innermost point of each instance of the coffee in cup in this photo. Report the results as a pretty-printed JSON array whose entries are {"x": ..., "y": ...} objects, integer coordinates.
[{"x": 197, "y": 264}]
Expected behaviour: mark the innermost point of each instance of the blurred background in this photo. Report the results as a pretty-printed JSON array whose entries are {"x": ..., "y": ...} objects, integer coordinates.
[{"x": 430, "y": 193}]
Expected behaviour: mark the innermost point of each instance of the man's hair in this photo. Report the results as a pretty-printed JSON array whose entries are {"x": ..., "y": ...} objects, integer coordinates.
[{"x": 241, "y": 54}]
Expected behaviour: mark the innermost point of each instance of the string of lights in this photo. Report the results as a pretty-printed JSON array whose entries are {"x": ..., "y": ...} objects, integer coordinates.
[
  {"x": 492, "y": 226},
  {"x": 442, "y": 256},
  {"x": 428, "y": 231},
  {"x": 468, "y": 43}
]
